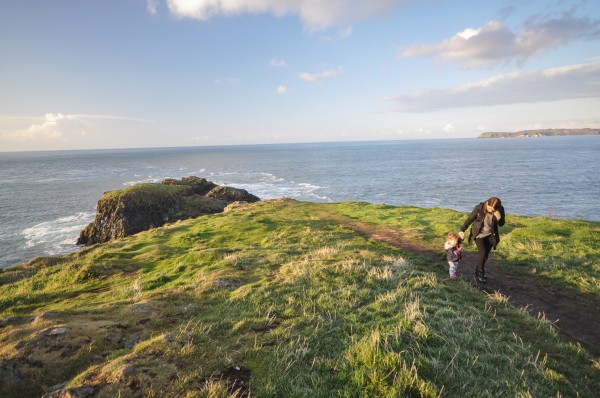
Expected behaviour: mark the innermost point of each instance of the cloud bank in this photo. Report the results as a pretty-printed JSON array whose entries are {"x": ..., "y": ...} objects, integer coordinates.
[
  {"x": 494, "y": 43},
  {"x": 315, "y": 14},
  {"x": 57, "y": 126},
  {"x": 568, "y": 82}
]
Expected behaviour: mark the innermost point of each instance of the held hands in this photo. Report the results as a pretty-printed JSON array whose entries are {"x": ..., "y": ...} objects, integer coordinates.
[
  {"x": 461, "y": 234},
  {"x": 497, "y": 215}
]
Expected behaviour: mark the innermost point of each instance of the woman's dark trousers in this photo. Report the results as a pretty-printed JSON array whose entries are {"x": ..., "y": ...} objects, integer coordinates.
[{"x": 484, "y": 246}]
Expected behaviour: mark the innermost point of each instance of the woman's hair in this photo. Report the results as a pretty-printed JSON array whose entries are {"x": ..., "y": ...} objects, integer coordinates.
[{"x": 493, "y": 202}]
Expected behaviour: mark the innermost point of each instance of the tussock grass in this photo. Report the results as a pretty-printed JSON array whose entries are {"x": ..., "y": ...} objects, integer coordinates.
[{"x": 308, "y": 307}]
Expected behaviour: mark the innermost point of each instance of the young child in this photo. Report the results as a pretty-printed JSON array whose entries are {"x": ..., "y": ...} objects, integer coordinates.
[{"x": 453, "y": 252}]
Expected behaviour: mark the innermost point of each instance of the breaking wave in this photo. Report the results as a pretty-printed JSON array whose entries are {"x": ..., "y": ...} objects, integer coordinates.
[{"x": 57, "y": 236}]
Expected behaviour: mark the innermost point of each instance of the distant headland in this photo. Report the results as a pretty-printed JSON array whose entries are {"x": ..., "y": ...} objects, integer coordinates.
[{"x": 540, "y": 133}]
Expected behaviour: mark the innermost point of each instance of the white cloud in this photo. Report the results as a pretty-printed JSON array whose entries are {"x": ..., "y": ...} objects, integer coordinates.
[
  {"x": 449, "y": 128},
  {"x": 56, "y": 126},
  {"x": 227, "y": 80},
  {"x": 345, "y": 33},
  {"x": 316, "y": 15},
  {"x": 342, "y": 34},
  {"x": 109, "y": 117},
  {"x": 468, "y": 33},
  {"x": 282, "y": 90},
  {"x": 279, "y": 63},
  {"x": 494, "y": 43},
  {"x": 49, "y": 129},
  {"x": 319, "y": 77},
  {"x": 569, "y": 82},
  {"x": 151, "y": 6}
]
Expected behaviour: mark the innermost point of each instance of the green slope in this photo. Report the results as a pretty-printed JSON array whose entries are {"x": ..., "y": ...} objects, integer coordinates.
[{"x": 278, "y": 299}]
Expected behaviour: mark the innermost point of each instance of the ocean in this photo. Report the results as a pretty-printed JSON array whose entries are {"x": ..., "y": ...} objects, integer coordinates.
[{"x": 46, "y": 198}]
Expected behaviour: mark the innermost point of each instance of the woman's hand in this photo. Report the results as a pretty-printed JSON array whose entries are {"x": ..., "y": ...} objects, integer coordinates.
[{"x": 497, "y": 215}]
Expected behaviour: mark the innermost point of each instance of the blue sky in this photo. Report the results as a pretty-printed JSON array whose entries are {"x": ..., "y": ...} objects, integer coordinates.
[{"x": 155, "y": 73}]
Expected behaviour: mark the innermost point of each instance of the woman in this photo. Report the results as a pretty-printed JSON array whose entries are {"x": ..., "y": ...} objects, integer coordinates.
[{"x": 485, "y": 217}]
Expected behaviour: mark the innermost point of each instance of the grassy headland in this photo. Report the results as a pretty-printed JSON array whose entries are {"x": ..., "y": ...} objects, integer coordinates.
[{"x": 280, "y": 299}]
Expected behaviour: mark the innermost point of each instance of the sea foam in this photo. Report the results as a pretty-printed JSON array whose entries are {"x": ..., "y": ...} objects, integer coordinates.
[{"x": 57, "y": 236}]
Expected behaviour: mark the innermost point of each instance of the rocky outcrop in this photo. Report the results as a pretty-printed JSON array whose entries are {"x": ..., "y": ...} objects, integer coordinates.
[
  {"x": 540, "y": 133},
  {"x": 144, "y": 206}
]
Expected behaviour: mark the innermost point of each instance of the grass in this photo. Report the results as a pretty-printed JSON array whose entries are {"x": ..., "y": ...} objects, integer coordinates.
[
  {"x": 563, "y": 252},
  {"x": 303, "y": 305},
  {"x": 147, "y": 192}
]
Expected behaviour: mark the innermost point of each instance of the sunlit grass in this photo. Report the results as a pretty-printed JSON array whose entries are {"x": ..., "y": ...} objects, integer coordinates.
[
  {"x": 565, "y": 252},
  {"x": 309, "y": 307}
]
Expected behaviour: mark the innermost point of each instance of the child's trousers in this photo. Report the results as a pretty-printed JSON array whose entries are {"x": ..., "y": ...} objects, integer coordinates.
[{"x": 452, "y": 266}]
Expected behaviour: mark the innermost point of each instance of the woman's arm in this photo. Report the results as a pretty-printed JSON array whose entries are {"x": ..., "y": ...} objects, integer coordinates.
[
  {"x": 502, "y": 216},
  {"x": 470, "y": 219}
]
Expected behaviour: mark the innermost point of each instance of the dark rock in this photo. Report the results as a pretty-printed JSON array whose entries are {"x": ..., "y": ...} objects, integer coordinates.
[
  {"x": 200, "y": 186},
  {"x": 57, "y": 331},
  {"x": 45, "y": 316},
  {"x": 97, "y": 359},
  {"x": 227, "y": 283},
  {"x": 7, "y": 321},
  {"x": 9, "y": 373},
  {"x": 133, "y": 339},
  {"x": 145, "y": 206},
  {"x": 230, "y": 195},
  {"x": 141, "y": 308},
  {"x": 41, "y": 340},
  {"x": 58, "y": 387},
  {"x": 113, "y": 337},
  {"x": 127, "y": 372}
]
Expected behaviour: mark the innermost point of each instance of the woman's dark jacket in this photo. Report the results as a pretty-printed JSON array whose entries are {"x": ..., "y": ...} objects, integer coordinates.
[{"x": 476, "y": 218}]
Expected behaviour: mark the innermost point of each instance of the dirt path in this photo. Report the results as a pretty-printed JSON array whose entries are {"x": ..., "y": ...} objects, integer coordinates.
[{"x": 574, "y": 316}]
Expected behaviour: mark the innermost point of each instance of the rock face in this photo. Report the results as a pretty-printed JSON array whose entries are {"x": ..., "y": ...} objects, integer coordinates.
[{"x": 144, "y": 206}]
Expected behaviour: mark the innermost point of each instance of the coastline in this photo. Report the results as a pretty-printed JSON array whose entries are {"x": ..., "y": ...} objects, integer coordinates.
[{"x": 542, "y": 133}]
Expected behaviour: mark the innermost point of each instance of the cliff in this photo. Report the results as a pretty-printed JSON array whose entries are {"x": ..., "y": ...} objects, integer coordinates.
[
  {"x": 540, "y": 133},
  {"x": 144, "y": 206}
]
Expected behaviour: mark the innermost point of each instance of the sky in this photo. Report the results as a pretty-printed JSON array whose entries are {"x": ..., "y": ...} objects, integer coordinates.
[{"x": 94, "y": 74}]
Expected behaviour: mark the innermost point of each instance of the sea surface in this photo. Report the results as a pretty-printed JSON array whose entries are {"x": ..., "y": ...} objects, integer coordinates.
[{"x": 46, "y": 198}]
